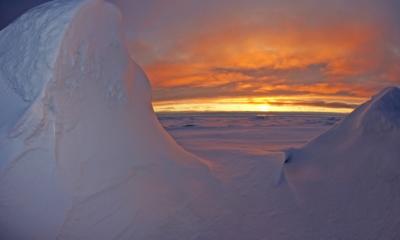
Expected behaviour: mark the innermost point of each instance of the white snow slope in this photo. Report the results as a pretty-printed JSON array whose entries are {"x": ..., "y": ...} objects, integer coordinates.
[
  {"x": 348, "y": 179},
  {"x": 82, "y": 155}
]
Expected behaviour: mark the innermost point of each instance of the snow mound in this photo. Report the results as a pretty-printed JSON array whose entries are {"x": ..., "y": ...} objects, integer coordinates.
[
  {"x": 82, "y": 154},
  {"x": 22, "y": 75},
  {"x": 381, "y": 113},
  {"x": 348, "y": 178}
]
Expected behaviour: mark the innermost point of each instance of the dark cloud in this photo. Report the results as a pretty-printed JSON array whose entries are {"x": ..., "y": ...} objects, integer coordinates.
[
  {"x": 315, "y": 104},
  {"x": 265, "y": 71},
  {"x": 233, "y": 89},
  {"x": 197, "y": 94},
  {"x": 312, "y": 73}
]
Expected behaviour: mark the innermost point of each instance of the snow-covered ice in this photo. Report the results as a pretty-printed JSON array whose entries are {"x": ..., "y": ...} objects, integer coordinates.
[
  {"x": 83, "y": 156},
  {"x": 343, "y": 184},
  {"x": 247, "y": 150},
  {"x": 245, "y": 132},
  {"x": 348, "y": 179}
]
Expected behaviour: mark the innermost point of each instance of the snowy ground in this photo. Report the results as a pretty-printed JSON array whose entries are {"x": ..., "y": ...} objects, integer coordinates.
[
  {"x": 218, "y": 136},
  {"x": 247, "y": 149}
]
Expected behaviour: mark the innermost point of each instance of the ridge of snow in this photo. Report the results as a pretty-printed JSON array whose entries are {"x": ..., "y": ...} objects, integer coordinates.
[
  {"x": 20, "y": 67},
  {"x": 375, "y": 118},
  {"x": 82, "y": 154},
  {"x": 382, "y": 112},
  {"x": 348, "y": 178},
  {"x": 22, "y": 75}
]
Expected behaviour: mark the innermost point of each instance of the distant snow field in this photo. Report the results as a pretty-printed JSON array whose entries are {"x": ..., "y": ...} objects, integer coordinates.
[
  {"x": 248, "y": 133},
  {"x": 247, "y": 152}
]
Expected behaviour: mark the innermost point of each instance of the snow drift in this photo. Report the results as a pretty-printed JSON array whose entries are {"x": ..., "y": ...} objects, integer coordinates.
[
  {"x": 348, "y": 179},
  {"x": 82, "y": 155}
]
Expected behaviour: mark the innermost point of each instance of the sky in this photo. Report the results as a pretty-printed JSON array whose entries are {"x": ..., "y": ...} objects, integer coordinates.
[{"x": 260, "y": 55}]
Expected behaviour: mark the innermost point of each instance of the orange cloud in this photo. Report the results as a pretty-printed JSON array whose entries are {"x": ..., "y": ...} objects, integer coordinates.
[{"x": 343, "y": 61}]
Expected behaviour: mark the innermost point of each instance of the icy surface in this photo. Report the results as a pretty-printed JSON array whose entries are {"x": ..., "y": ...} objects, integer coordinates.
[
  {"x": 82, "y": 155},
  {"x": 26, "y": 41},
  {"x": 247, "y": 152},
  {"x": 343, "y": 184},
  {"x": 259, "y": 133},
  {"x": 22, "y": 74},
  {"x": 348, "y": 179}
]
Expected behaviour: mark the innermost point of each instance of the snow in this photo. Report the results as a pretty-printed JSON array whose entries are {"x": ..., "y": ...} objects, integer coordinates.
[
  {"x": 83, "y": 156},
  {"x": 22, "y": 75},
  {"x": 246, "y": 149},
  {"x": 342, "y": 184},
  {"x": 245, "y": 132},
  {"x": 348, "y": 179}
]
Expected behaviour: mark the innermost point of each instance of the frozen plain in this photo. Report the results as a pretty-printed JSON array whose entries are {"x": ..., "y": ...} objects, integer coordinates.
[{"x": 247, "y": 153}]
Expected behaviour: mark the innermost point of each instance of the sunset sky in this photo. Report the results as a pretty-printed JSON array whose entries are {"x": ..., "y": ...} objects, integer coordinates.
[{"x": 264, "y": 55}]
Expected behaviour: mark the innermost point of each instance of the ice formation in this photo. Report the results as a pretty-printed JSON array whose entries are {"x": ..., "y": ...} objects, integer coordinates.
[
  {"x": 82, "y": 155},
  {"x": 348, "y": 179}
]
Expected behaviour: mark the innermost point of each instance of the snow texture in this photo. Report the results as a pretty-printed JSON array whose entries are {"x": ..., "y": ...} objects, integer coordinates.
[
  {"x": 343, "y": 184},
  {"x": 348, "y": 178},
  {"x": 82, "y": 155}
]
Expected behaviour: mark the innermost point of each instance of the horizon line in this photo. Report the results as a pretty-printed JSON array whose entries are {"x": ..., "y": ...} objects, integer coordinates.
[{"x": 250, "y": 112}]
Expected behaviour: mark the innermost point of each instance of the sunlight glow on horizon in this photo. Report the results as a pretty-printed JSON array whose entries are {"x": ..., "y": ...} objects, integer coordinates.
[
  {"x": 243, "y": 107},
  {"x": 252, "y": 105}
]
